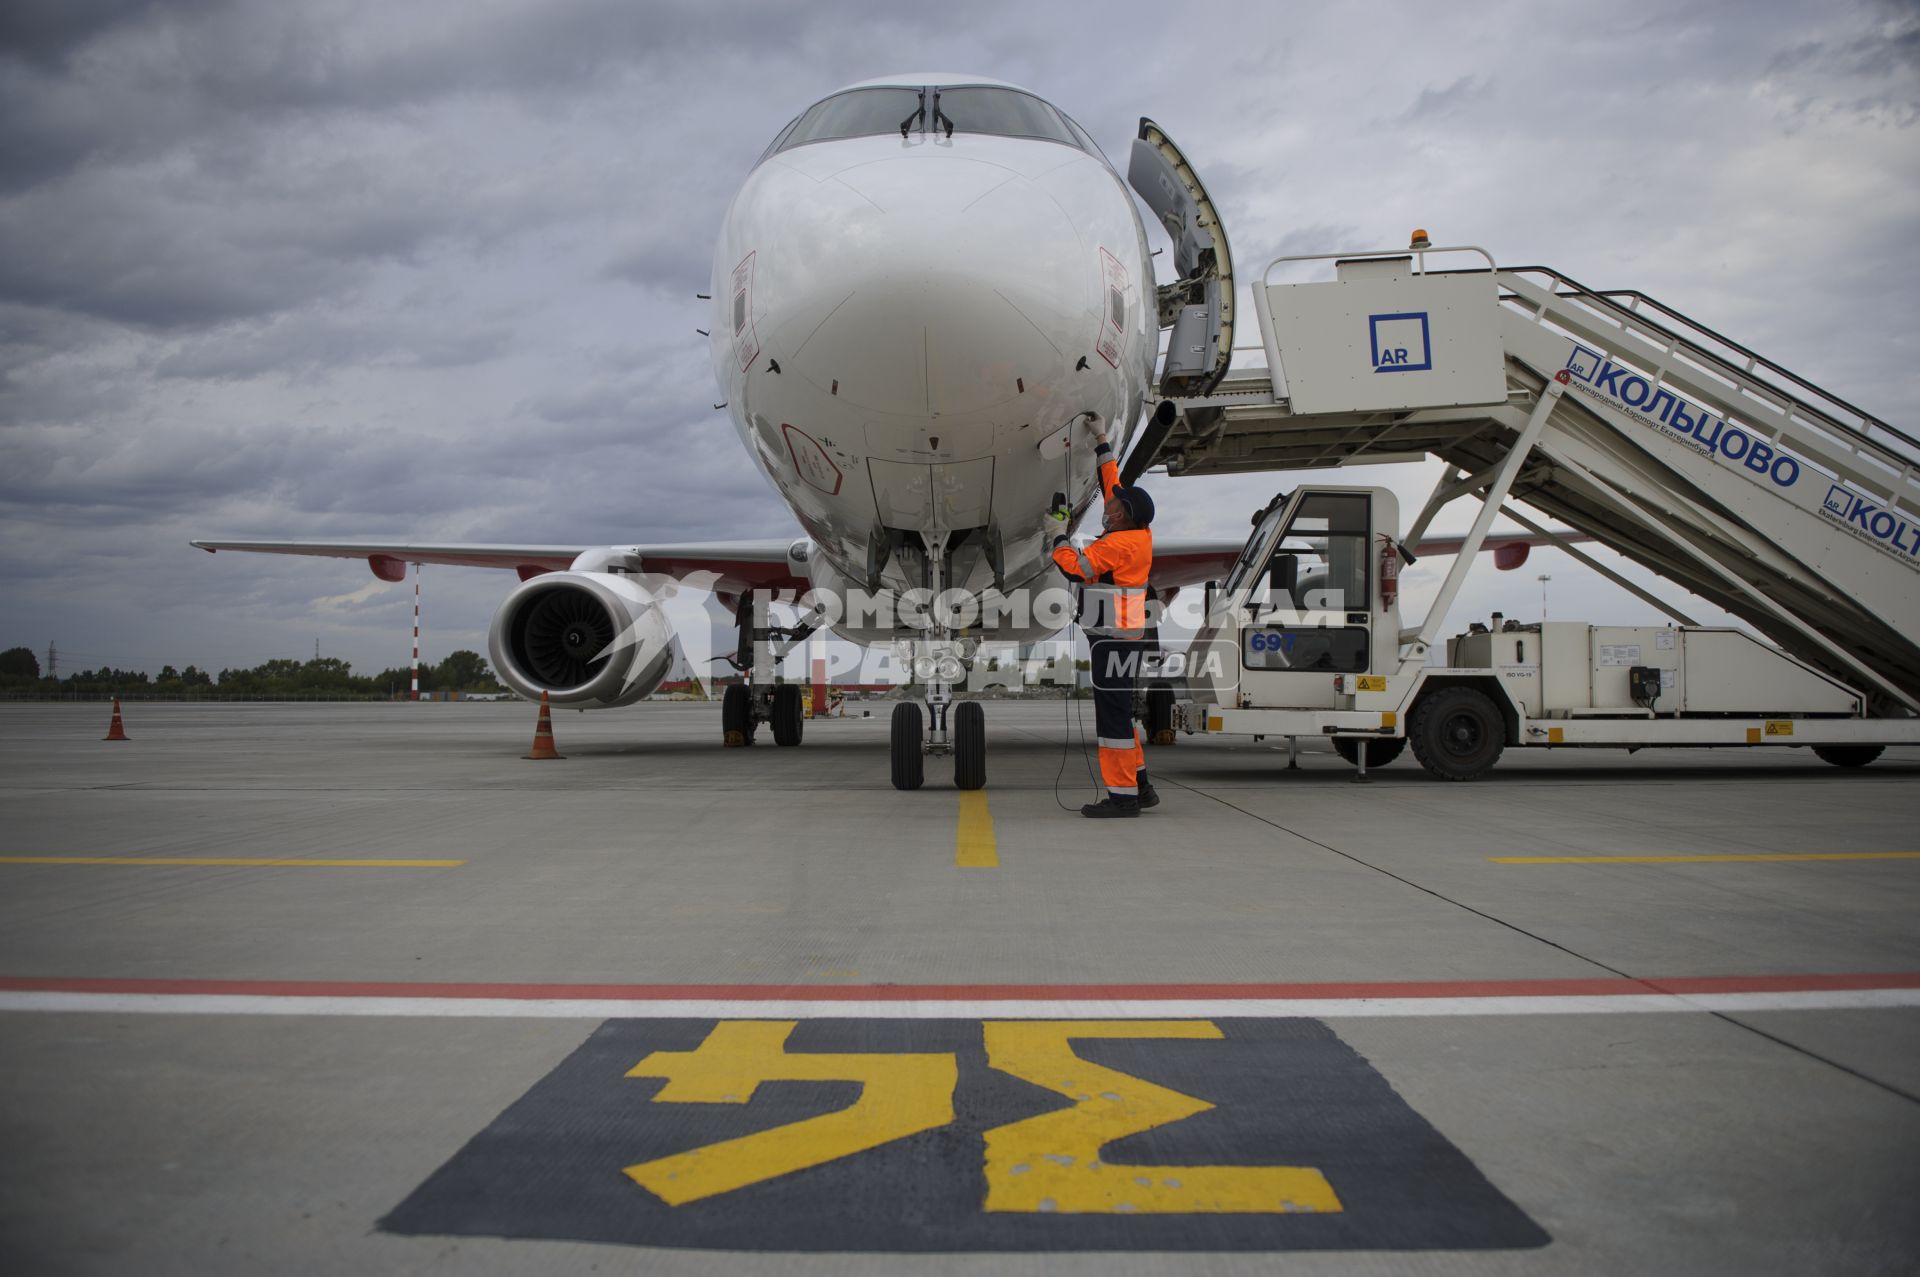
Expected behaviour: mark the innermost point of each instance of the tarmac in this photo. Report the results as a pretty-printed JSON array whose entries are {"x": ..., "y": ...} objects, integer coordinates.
[{"x": 662, "y": 1006}]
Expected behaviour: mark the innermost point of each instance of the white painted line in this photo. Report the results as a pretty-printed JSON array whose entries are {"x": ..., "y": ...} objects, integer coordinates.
[{"x": 959, "y": 1009}]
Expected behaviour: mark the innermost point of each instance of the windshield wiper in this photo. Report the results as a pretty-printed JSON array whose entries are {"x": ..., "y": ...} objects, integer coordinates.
[
  {"x": 939, "y": 115},
  {"x": 919, "y": 114}
]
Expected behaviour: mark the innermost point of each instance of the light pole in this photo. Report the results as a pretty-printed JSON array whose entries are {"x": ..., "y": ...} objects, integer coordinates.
[{"x": 1544, "y": 578}]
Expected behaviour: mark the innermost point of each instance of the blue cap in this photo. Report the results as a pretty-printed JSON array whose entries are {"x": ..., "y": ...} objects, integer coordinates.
[{"x": 1138, "y": 504}]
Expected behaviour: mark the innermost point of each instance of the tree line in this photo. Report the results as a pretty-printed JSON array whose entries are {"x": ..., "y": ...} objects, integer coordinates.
[{"x": 327, "y": 676}]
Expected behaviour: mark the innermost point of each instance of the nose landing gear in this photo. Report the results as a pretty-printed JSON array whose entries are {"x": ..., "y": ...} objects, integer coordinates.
[{"x": 939, "y": 661}]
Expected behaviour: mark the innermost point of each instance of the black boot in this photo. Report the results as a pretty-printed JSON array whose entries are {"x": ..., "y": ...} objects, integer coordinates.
[
  {"x": 1113, "y": 805},
  {"x": 1149, "y": 796}
]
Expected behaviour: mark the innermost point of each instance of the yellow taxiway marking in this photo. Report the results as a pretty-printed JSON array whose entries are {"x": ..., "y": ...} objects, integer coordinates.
[
  {"x": 1056, "y": 1161},
  {"x": 973, "y": 846},
  {"x": 1692, "y": 860},
  {"x": 208, "y": 861},
  {"x": 900, "y": 1095}
]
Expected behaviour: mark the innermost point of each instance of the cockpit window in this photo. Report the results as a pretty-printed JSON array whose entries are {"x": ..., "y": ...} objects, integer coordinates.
[
  {"x": 941, "y": 112},
  {"x": 1003, "y": 112},
  {"x": 855, "y": 113}
]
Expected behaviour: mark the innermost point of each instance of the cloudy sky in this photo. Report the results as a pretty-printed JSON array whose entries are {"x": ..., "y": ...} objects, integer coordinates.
[{"x": 325, "y": 268}]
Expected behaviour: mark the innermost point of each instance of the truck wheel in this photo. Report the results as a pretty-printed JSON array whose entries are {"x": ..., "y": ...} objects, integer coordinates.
[
  {"x": 1160, "y": 714},
  {"x": 788, "y": 718},
  {"x": 1457, "y": 733},
  {"x": 1848, "y": 755},
  {"x": 969, "y": 745},
  {"x": 909, "y": 764},
  {"x": 1379, "y": 752}
]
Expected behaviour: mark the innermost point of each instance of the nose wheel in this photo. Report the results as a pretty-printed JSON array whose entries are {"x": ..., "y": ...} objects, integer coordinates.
[
  {"x": 969, "y": 745},
  {"x": 911, "y": 743},
  {"x": 939, "y": 661}
]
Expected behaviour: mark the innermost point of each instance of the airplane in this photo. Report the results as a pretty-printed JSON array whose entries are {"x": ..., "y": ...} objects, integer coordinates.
[{"x": 921, "y": 291}]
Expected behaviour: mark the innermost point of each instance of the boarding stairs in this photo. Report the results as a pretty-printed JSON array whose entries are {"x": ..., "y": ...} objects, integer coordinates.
[{"x": 1610, "y": 413}]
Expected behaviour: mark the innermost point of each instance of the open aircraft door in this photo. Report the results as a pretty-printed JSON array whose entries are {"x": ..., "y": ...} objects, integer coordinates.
[{"x": 1197, "y": 306}]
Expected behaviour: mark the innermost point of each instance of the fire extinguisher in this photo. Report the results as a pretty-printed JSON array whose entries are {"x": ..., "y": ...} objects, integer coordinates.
[{"x": 1389, "y": 572}]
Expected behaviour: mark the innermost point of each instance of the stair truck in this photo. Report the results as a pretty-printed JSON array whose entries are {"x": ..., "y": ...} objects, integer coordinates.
[{"x": 1620, "y": 419}]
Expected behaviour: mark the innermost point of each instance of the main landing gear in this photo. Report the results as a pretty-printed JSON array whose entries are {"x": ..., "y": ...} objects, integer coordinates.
[{"x": 763, "y": 698}]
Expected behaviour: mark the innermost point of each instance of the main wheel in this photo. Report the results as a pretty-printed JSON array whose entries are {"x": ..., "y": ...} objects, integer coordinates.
[
  {"x": 1457, "y": 733},
  {"x": 788, "y": 719},
  {"x": 1160, "y": 714},
  {"x": 1848, "y": 755},
  {"x": 736, "y": 715},
  {"x": 1379, "y": 752},
  {"x": 909, "y": 764},
  {"x": 969, "y": 745}
]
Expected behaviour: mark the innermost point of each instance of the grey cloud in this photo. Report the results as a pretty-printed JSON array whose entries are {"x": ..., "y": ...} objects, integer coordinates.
[
  {"x": 47, "y": 32},
  {"x": 344, "y": 269},
  {"x": 675, "y": 268},
  {"x": 308, "y": 345},
  {"x": 153, "y": 75},
  {"x": 1437, "y": 105}
]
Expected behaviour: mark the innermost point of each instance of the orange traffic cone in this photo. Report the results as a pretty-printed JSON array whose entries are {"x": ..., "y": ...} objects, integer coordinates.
[
  {"x": 118, "y": 731},
  {"x": 543, "y": 734}
]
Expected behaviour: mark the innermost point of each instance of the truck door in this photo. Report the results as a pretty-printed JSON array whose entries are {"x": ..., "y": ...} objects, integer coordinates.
[{"x": 1308, "y": 614}]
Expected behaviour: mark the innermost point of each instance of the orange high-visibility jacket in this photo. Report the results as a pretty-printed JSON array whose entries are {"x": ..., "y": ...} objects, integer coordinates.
[{"x": 1120, "y": 559}]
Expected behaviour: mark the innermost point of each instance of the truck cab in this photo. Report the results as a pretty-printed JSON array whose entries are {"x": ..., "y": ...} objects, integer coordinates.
[
  {"x": 1304, "y": 638},
  {"x": 1303, "y": 613}
]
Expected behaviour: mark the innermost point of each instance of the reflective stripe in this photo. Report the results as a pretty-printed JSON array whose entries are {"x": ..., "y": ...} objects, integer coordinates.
[
  {"x": 1086, "y": 564},
  {"x": 1131, "y": 791},
  {"x": 1109, "y": 742}
]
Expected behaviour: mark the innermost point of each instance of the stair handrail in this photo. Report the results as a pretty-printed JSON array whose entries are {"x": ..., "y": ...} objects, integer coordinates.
[{"x": 1862, "y": 433}]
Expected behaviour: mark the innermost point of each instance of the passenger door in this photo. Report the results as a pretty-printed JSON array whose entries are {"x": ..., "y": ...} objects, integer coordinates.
[{"x": 1198, "y": 306}]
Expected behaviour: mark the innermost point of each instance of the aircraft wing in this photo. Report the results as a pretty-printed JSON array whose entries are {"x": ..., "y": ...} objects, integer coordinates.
[
  {"x": 739, "y": 565},
  {"x": 1178, "y": 562}
]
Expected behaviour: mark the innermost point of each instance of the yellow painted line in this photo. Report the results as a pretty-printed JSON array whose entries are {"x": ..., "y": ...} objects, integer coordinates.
[
  {"x": 1694, "y": 860},
  {"x": 211, "y": 861},
  {"x": 973, "y": 846},
  {"x": 900, "y": 1095},
  {"x": 1057, "y": 1162}
]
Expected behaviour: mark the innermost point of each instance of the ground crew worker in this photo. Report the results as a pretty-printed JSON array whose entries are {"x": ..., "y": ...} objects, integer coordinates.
[{"x": 1114, "y": 571}]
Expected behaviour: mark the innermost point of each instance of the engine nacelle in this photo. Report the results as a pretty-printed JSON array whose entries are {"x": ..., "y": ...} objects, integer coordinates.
[{"x": 592, "y": 640}]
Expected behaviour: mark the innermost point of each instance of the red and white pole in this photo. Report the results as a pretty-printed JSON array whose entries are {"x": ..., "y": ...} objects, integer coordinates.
[{"x": 416, "y": 631}]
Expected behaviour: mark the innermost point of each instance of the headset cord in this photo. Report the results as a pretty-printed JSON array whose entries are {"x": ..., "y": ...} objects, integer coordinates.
[{"x": 1070, "y": 708}]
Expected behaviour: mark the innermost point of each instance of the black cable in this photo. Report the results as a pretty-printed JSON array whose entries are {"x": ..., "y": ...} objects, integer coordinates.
[{"x": 1075, "y": 711}]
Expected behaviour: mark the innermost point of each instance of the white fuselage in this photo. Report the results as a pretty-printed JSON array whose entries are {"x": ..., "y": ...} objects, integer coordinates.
[{"x": 901, "y": 324}]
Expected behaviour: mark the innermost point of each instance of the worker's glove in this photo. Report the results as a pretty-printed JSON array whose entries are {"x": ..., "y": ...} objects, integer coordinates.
[{"x": 1096, "y": 430}]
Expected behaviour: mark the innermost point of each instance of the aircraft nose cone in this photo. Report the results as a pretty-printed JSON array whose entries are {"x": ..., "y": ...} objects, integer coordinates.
[{"x": 952, "y": 293}]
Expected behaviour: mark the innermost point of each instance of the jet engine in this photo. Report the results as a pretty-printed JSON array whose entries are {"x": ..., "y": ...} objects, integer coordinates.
[{"x": 592, "y": 640}]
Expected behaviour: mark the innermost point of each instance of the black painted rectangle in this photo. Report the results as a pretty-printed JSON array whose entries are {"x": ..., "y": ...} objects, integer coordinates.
[{"x": 1286, "y": 1093}]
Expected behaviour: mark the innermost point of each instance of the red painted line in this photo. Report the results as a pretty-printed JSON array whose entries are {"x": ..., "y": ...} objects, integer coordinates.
[{"x": 971, "y": 992}]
